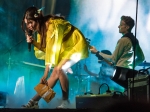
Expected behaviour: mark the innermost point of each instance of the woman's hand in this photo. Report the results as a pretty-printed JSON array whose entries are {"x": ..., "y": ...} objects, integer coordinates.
[
  {"x": 29, "y": 38},
  {"x": 43, "y": 80}
]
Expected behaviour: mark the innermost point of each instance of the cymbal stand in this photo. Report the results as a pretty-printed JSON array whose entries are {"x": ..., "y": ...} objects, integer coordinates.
[{"x": 9, "y": 68}]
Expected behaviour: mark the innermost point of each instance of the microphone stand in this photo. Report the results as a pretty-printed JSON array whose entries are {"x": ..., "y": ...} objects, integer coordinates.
[
  {"x": 134, "y": 47},
  {"x": 9, "y": 60}
]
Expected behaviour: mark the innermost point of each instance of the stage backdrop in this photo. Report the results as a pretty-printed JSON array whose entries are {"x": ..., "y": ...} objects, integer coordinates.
[{"x": 97, "y": 19}]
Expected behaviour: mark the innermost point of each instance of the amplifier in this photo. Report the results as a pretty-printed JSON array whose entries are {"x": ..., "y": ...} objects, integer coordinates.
[
  {"x": 139, "y": 88},
  {"x": 97, "y": 101}
]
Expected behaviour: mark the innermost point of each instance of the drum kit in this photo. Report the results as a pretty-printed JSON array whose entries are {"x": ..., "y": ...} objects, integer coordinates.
[
  {"x": 84, "y": 82},
  {"x": 145, "y": 67},
  {"x": 145, "y": 64}
]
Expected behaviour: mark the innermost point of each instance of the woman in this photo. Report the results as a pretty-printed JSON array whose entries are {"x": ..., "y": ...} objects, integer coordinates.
[{"x": 59, "y": 43}]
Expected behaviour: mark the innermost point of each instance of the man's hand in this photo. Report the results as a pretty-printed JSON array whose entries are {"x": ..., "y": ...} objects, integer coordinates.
[{"x": 93, "y": 50}]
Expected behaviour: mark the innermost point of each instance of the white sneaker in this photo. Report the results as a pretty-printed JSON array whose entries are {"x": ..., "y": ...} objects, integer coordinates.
[
  {"x": 31, "y": 105},
  {"x": 64, "y": 105}
]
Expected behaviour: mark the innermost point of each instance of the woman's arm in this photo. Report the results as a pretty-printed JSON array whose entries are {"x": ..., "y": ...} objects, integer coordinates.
[
  {"x": 31, "y": 40},
  {"x": 44, "y": 78},
  {"x": 37, "y": 45}
]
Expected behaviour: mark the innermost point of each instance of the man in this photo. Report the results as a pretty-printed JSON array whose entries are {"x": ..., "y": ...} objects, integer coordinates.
[{"x": 128, "y": 53}]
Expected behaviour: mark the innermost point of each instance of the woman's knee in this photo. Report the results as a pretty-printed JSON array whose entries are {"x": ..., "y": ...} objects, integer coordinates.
[{"x": 54, "y": 73}]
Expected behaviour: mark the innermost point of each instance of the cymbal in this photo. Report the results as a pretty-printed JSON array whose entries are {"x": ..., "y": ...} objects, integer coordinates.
[{"x": 144, "y": 64}]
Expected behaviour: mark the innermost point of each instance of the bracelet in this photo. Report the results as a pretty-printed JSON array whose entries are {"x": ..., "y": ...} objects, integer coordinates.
[
  {"x": 99, "y": 56},
  {"x": 97, "y": 53}
]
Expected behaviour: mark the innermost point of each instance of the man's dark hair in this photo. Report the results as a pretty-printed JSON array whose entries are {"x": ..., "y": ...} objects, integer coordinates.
[{"x": 129, "y": 21}]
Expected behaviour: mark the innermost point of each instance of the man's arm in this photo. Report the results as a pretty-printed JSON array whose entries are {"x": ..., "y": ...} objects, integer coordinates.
[{"x": 123, "y": 43}]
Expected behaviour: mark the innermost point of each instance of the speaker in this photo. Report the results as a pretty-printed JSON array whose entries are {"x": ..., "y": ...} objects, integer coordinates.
[
  {"x": 139, "y": 88},
  {"x": 97, "y": 101}
]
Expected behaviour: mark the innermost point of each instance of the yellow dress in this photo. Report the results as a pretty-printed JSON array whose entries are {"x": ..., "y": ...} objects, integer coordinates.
[{"x": 63, "y": 41}]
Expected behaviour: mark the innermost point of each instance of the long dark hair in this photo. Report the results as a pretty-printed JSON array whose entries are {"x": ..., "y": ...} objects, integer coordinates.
[{"x": 33, "y": 13}]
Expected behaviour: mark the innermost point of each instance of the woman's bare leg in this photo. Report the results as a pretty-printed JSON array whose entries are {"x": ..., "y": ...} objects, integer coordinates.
[
  {"x": 36, "y": 97},
  {"x": 63, "y": 78},
  {"x": 64, "y": 83}
]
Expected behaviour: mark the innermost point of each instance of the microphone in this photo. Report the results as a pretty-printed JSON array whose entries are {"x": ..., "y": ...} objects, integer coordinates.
[{"x": 29, "y": 44}]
